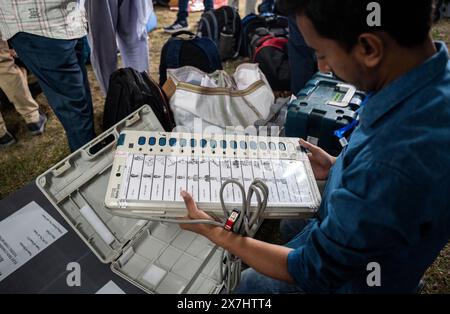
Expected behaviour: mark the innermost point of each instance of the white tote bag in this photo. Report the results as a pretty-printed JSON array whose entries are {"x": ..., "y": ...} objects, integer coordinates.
[{"x": 218, "y": 99}]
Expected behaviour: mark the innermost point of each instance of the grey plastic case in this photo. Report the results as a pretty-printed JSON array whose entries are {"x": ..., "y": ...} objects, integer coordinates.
[{"x": 156, "y": 257}]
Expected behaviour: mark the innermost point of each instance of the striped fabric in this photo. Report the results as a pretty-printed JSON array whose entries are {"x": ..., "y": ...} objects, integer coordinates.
[{"x": 58, "y": 19}]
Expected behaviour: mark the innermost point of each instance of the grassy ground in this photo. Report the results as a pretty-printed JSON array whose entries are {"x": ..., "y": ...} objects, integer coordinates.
[{"x": 31, "y": 156}]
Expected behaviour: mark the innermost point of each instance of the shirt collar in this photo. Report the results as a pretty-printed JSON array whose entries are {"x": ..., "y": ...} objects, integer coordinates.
[{"x": 406, "y": 85}]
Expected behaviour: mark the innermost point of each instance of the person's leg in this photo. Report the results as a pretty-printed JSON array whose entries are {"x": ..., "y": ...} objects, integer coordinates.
[
  {"x": 79, "y": 51},
  {"x": 182, "y": 10},
  {"x": 13, "y": 82},
  {"x": 302, "y": 61},
  {"x": 6, "y": 138},
  {"x": 58, "y": 70},
  {"x": 102, "y": 19},
  {"x": 437, "y": 10},
  {"x": 181, "y": 23},
  {"x": 3, "y": 129},
  {"x": 250, "y": 6},
  {"x": 253, "y": 282},
  {"x": 132, "y": 36},
  {"x": 208, "y": 4}
]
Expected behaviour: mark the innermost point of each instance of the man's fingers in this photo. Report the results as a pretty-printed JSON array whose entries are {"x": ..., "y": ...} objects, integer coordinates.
[
  {"x": 308, "y": 145},
  {"x": 184, "y": 226},
  {"x": 190, "y": 203},
  {"x": 183, "y": 218}
]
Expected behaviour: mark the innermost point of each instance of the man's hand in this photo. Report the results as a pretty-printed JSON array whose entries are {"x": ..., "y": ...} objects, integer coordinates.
[
  {"x": 12, "y": 53},
  {"x": 268, "y": 259},
  {"x": 321, "y": 161},
  {"x": 195, "y": 213}
]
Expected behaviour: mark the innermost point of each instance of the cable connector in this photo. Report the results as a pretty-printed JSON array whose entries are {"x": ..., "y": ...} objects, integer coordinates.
[{"x": 231, "y": 220}]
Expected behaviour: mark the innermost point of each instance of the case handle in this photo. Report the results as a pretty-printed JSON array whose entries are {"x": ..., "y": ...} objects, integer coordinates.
[
  {"x": 350, "y": 92},
  {"x": 60, "y": 170},
  {"x": 99, "y": 146},
  {"x": 107, "y": 141},
  {"x": 132, "y": 120}
]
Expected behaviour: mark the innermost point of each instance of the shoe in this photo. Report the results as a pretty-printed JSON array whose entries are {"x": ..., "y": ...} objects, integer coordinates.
[
  {"x": 7, "y": 140},
  {"x": 37, "y": 128},
  {"x": 176, "y": 27},
  {"x": 421, "y": 286}
]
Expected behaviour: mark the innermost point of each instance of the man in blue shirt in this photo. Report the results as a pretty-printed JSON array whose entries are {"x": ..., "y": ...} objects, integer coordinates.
[{"x": 386, "y": 206}]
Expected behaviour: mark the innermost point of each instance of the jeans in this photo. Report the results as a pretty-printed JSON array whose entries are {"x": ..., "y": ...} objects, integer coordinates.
[
  {"x": 61, "y": 73},
  {"x": 253, "y": 282},
  {"x": 302, "y": 59},
  {"x": 183, "y": 8}
]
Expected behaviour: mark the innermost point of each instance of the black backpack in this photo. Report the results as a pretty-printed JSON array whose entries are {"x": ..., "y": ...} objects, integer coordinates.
[
  {"x": 255, "y": 27},
  {"x": 224, "y": 27},
  {"x": 271, "y": 53},
  {"x": 184, "y": 48},
  {"x": 128, "y": 91}
]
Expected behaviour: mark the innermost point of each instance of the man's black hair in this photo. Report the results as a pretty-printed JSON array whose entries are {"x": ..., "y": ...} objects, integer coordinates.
[{"x": 408, "y": 22}]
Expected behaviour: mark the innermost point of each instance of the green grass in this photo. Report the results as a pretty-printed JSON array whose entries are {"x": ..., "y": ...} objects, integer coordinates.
[{"x": 23, "y": 162}]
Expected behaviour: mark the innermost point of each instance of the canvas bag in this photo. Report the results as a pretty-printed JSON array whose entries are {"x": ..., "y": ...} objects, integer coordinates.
[{"x": 219, "y": 99}]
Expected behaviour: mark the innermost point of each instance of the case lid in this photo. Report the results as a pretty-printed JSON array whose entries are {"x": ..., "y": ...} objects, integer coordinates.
[{"x": 76, "y": 186}]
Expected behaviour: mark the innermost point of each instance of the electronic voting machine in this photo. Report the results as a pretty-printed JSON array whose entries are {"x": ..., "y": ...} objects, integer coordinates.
[{"x": 150, "y": 169}]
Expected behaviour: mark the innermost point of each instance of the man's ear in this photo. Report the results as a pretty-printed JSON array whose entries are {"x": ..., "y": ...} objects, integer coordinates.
[{"x": 369, "y": 49}]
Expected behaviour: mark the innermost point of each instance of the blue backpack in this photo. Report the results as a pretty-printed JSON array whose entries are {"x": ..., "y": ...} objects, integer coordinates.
[{"x": 185, "y": 48}]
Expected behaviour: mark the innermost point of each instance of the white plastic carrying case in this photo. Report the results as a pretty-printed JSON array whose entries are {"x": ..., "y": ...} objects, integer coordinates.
[{"x": 156, "y": 257}]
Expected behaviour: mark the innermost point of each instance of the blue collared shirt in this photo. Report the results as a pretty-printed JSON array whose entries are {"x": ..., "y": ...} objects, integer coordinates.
[{"x": 387, "y": 199}]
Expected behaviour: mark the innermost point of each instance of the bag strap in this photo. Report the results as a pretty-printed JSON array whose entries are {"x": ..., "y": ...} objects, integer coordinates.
[
  {"x": 161, "y": 98},
  {"x": 208, "y": 28},
  {"x": 225, "y": 18},
  {"x": 216, "y": 26},
  {"x": 179, "y": 33},
  {"x": 236, "y": 20},
  {"x": 173, "y": 55},
  {"x": 233, "y": 10}
]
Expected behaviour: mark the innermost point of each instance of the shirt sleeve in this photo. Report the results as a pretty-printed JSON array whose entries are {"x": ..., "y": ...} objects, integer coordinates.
[{"x": 370, "y": 214}]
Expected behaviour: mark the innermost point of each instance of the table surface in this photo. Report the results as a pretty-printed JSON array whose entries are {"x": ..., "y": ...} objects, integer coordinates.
[{"x": 46, "y": 272}]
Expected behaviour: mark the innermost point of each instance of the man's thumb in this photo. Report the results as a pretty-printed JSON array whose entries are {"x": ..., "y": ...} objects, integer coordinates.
[{"x": 189, "y": 201}]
